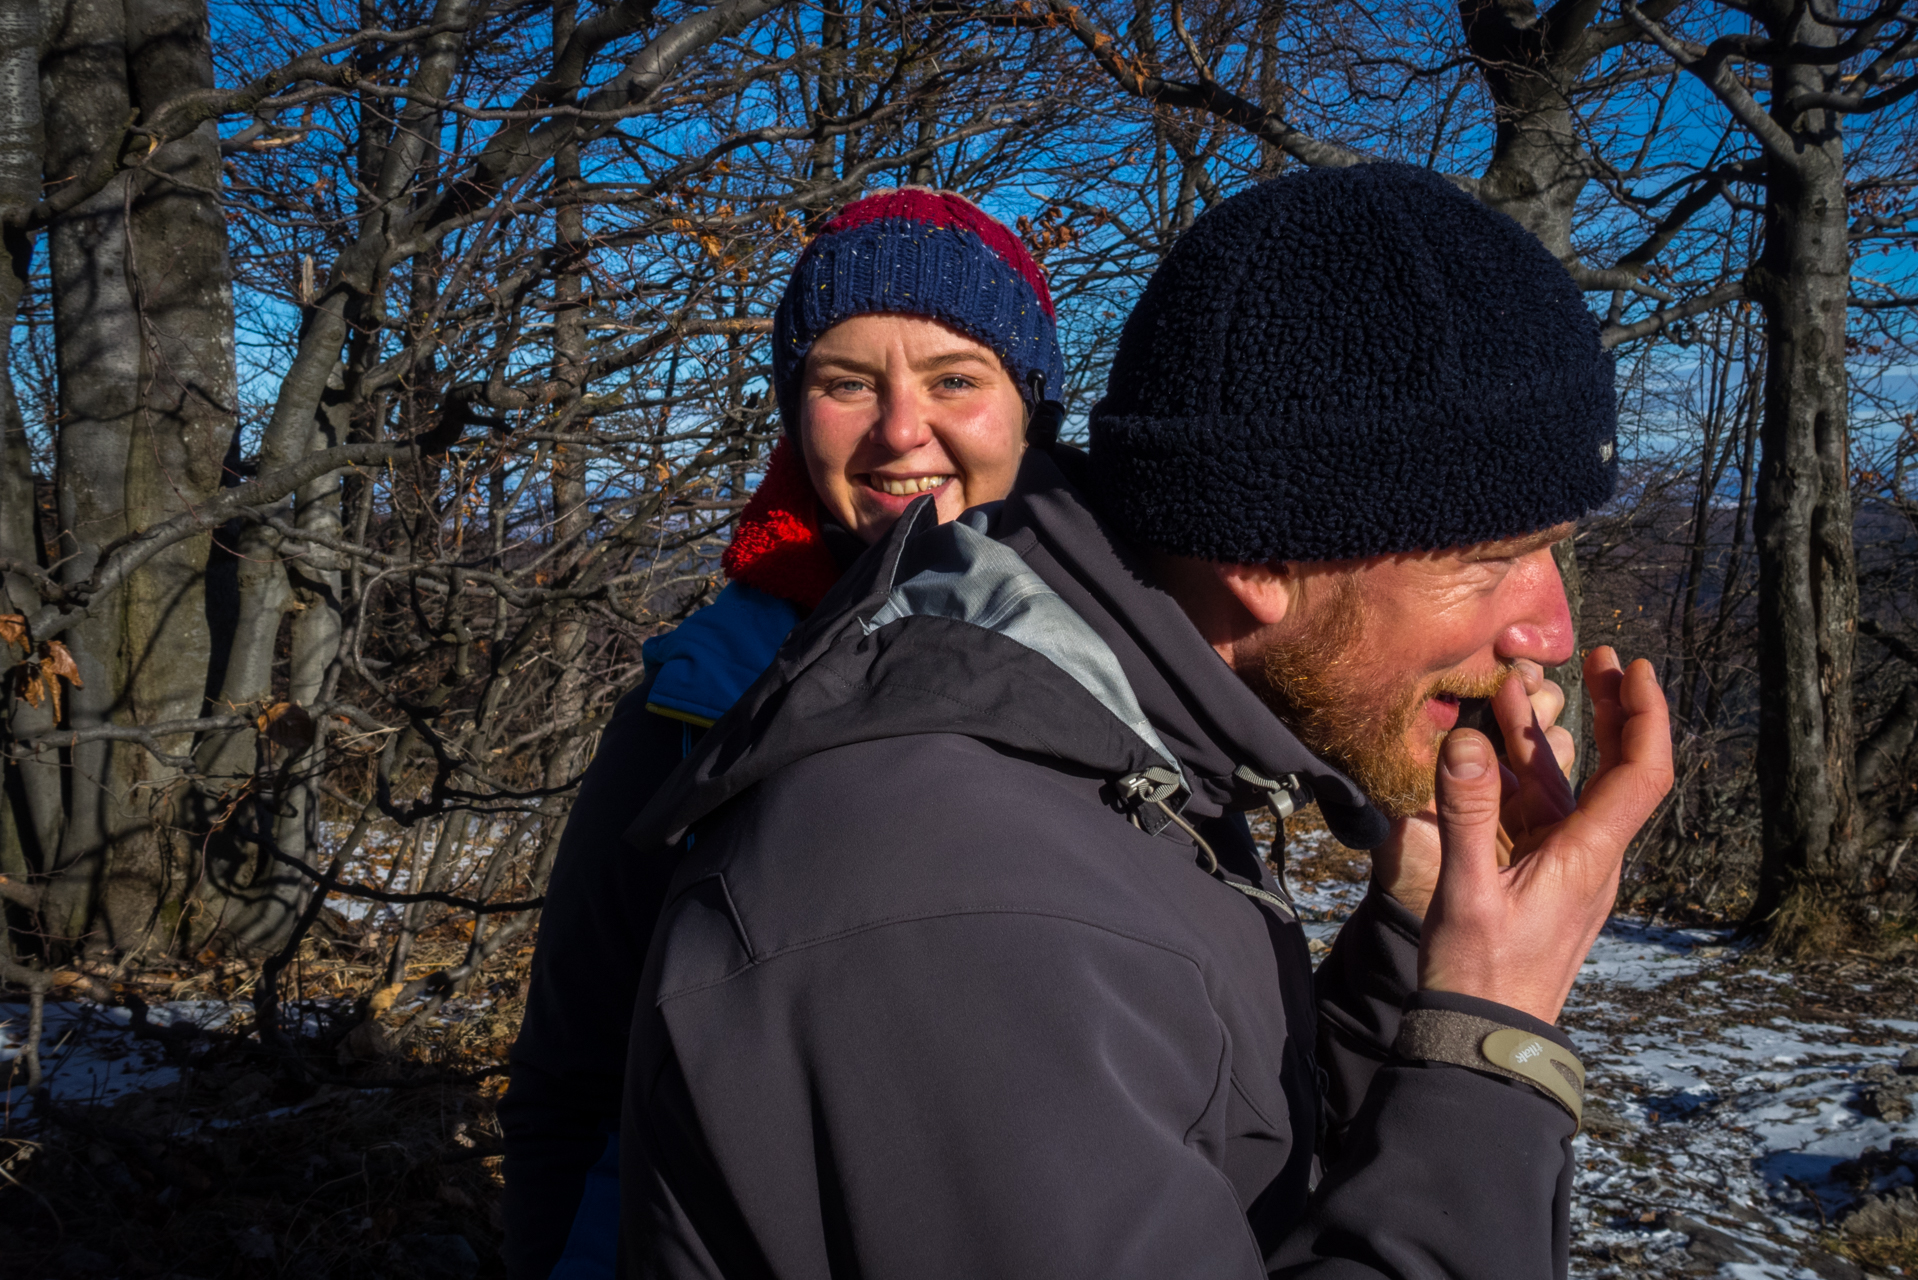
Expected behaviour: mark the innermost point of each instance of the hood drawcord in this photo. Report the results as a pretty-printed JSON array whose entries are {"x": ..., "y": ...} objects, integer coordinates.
[
  {"x": 1156, "y": 786},
  {"x": 1283, "y": 796}
]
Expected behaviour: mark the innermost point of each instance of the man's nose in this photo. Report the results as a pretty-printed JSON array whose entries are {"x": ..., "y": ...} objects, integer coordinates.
[
  {"x": 902, "y": 418},
  {"x": 1541, "y": 619}
]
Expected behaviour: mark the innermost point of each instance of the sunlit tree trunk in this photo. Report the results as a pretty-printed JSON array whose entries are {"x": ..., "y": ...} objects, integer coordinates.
[{"x": 1807, "y": 570}]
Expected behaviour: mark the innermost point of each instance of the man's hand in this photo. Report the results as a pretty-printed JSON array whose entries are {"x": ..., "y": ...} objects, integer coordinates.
[
  {"x": 1517, "y": 934},
  {"x": 1407, "y": 864}
]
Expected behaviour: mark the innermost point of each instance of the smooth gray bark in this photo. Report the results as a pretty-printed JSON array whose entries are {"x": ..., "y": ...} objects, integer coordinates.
[
  {"x": 85, "y": 100},
  {"x": 1807, "y": 569},
  {"x": 143, "y": 320}
]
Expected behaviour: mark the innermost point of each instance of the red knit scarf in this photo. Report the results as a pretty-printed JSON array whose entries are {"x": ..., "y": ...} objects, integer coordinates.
[{"x": 777, "y": 547}]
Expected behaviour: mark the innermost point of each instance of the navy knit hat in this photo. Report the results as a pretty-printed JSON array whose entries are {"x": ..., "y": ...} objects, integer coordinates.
[
  {"x": 1349, "y": 363},
  {"x": 926, "y": 253}
]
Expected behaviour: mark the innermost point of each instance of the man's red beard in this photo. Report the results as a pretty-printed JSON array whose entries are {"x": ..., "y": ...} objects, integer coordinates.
[{"x": 1316, "y": 684}]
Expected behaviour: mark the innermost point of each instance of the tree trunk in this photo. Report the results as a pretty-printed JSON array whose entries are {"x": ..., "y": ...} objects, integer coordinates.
[
  {"x": 1807, "y": 574},
  {"x": 1538, "y": 167},
  {"x": 143, "y": 320},
  {"x": 1537, "y": 171},
  {"x": 188, "y": 415},
  {"x": 30, "y": 810},
  {"x": 86, "y": 100}
]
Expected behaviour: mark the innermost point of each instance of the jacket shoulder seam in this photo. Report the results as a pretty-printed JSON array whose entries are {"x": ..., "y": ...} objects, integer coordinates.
[{"x": 904, "y": 918}]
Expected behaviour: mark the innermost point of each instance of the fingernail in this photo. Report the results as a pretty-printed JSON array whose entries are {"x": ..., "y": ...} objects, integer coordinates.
[
  {"x": 1464, "y": 756},
  {"x": 1530, "y": 671}
]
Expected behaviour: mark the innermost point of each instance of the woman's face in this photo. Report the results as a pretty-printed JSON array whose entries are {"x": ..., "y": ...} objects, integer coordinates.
[{"x": 894, "y": 406}]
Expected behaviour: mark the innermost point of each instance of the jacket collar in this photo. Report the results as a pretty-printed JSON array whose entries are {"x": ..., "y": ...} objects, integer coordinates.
[{"x": 1200, "y": 708}]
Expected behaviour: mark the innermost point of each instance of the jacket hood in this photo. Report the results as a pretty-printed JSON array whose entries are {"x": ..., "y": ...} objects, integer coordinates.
[
  {"x": 1217, "y": 726},
  {"x": 1023, "y": 624}
]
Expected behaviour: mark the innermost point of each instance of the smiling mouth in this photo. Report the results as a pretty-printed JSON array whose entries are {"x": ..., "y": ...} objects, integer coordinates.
[{"x": 908, "y": 486}]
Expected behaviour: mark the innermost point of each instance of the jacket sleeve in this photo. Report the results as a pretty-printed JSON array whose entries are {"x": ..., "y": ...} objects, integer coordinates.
[
  {"x": 570, "y": 1057},
  {"x": 1362, "y": 985},
  {"x": 1025, "y": 1095},
  {"x": 1446, "y": 1171}
]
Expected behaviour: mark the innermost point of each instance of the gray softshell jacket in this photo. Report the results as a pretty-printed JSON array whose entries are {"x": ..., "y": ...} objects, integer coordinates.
[{"x": 938, "y": 991}]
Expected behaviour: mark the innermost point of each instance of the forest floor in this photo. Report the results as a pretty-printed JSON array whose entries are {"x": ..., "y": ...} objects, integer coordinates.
[
  {"x": 182, "y": 1150},
  {"x": 1743, "y": 1119}
]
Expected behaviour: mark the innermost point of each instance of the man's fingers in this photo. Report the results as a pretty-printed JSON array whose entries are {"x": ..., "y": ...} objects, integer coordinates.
[
  {"x": 1530, "y": 673},
  {"x": 1468, "y": 806},
  {"x": 1602, "y": 676},
  {"x": 1548, "y": 703},
  {"x": 1564, "y": 749},
  {"x": 1645, "y": 739},
  {"x": 1544, "y": 794},
  {"x": 1621, "y": 797}
]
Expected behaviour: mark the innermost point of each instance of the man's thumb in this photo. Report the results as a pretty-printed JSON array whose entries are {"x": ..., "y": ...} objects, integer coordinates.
[{"x": 1468, "y": 803}]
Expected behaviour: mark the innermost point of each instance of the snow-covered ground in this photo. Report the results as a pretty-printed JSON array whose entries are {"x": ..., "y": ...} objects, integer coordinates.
[
  {"x": 87, "y": 1053},
  {"x": 1732, "y": 1109},
  {"x": 90, "y": 1054},
  {"x": 1735, "y": 1111}
]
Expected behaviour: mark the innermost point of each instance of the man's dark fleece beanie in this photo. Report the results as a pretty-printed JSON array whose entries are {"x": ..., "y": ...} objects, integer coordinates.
[{"x": 1349, "y": 363}]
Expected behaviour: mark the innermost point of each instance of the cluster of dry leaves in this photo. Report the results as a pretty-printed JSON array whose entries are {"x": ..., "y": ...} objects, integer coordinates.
[{"x": 37, "y": 677}]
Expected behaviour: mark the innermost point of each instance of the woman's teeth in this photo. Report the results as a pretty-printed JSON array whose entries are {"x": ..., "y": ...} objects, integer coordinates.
[{"x": 906, "y": 488}]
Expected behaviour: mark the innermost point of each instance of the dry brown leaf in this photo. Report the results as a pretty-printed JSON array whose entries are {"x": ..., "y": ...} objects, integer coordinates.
[
  {"x": 26, "y": 682},
  {"x": 13, "y": 629},
  {"x": 55, "y": 659},
  {"x": 38, "y": 678},
  {"x": 287, "y": 725}
]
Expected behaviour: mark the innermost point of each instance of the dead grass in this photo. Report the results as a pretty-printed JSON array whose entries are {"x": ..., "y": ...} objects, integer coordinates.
[
  {"x": 1312, "y": 855},
  {"x": 1879, "y": 1254}
]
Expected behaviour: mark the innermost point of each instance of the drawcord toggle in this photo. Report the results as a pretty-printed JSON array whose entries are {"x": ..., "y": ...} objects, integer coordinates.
[
  {"x": 1283, "y": 796},
  {"x": 1156, "y": 786}
]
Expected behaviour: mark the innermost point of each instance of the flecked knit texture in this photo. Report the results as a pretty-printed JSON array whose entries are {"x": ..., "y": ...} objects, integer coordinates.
[
  {"x": 777, "y": 546},
  {"x": 928, "y": 253},
  {"x": 1348, "y": 363}
]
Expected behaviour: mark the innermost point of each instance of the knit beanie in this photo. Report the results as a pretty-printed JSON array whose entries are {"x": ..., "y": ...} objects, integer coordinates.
[
  {"x": 1349, "y": 363},
  {"x": 925, "y": 253}
]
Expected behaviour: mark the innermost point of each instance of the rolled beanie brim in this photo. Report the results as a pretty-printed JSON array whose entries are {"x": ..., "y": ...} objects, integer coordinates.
[{"x": 1307, "y": 486}]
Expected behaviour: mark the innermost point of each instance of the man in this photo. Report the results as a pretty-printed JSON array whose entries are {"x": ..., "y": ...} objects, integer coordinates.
[{"x": 970, "y": 966}]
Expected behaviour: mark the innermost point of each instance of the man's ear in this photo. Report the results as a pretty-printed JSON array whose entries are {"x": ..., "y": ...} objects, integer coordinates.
[{"x": 1265, "y": 590}]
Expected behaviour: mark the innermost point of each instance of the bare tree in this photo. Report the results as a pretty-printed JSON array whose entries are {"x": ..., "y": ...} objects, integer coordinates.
[{"x": 386, "y": 425}]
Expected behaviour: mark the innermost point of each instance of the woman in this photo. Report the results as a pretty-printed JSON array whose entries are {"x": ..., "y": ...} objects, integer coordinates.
[{"x": 911, "y": 347}]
